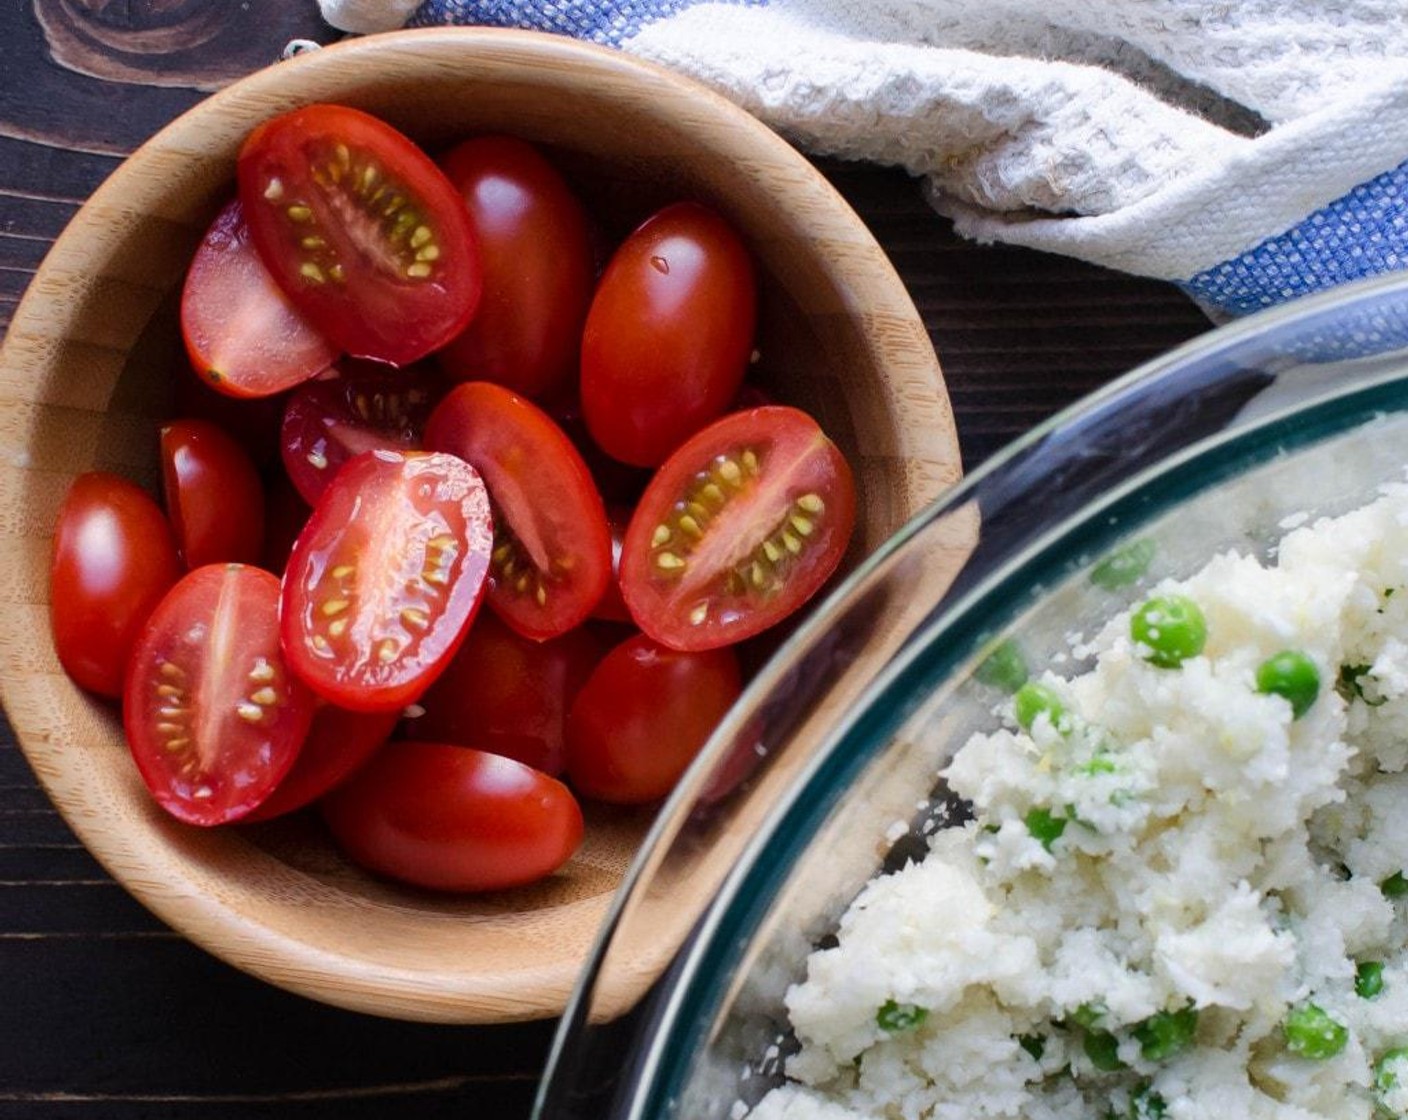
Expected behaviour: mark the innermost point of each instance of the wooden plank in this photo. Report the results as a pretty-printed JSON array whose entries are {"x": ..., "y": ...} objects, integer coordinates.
[
  {"x": 160, "y": 1017},
  {"x": 102, "y": 77}
]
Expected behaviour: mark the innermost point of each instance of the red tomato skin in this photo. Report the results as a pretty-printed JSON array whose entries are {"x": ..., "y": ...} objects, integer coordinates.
[
  {"x": 354, "y": 407},
  {"x": 212, "y": 739},
  {"x": 285, "y": 514},
  {"x": 113, "y": 559},
  {"x": 643, "y": 715},
  {"x": 338, "y": 743},
  {"x": 252, "y": 421},
  {"x": 214, "y": 495},
  {"x": 544, "y": 497},
  {"x": 669, "y": 334},
  {"x": 507, "y": 694},
  {"x": 374, "y": 533},
  {"x": 242, "y": 334},
  {"x": 743, "y": 542},
  {"x": 366, "y": 282},
  {"x": 611, "y": 607},
  {"x": 538, "y": 269},
  {"x": 617, "y": 483},
  {"x": 451, "y": 818}
]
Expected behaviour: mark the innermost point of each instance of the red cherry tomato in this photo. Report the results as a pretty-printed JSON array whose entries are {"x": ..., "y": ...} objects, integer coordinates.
[
  {"x": 615, "y": 481},
  {"x": 114, "y": 558},
  {"x": 611, "y": 607},
  {"x": 669, "y": 334},
  {"x": 338, "y": 743},
  {"x": 643, "y": 715},
  {"x": 214, "y": 718},
  {"x": 363, "y": 405},
  {"x": 552, "y": 550},
  {"x": 252, "y": 421},
  {"x": 285, "y": 514},
  {"x": 538, "y": 269},
  {"x": 242, "y": 334},
  {"x": 737, "y": 530},
  {"x": 385, "y": 577},
  {"x": 507, "y": 694},
  {"x": 454, "y": 819},
  {"x": 361, "y": 230},
  {"x": 213, "y": 494}
]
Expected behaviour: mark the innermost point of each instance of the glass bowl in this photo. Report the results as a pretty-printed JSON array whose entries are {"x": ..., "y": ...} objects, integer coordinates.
[{"x": 827, "y": 772}]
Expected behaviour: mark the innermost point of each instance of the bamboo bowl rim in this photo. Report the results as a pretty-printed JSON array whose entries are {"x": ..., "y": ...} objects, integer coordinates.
[{"x": 59, "y": 369}]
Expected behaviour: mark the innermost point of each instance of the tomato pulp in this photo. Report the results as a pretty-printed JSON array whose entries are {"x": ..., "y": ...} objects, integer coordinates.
[
  {"x": 213, "y": 717},
  {"x": 737, "y": 530},
  {"x": 243, "y": 335},
  {"x": 361, "y": 230},
  {"x": 385, "y": 578},
  {"x": 552, "y": 548},
  {"x": 357, "y": 407}
]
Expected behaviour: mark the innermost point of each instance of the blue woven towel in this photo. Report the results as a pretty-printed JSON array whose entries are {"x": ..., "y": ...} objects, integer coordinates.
[{"x": 1250, "y": 153}]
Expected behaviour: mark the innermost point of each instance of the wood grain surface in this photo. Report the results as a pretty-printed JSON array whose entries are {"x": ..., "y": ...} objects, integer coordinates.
[{"x": 105, "y": 1013}]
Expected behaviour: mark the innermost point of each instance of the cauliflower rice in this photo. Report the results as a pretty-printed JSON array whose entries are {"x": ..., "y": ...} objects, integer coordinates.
[{"x": 1176, "y": 899}]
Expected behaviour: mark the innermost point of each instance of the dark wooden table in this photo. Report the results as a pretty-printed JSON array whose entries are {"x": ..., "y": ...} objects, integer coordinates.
[{"x": 104, "y": 1012}]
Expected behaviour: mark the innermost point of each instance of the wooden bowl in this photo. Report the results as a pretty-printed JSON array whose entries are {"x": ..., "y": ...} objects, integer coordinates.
[{"x": 86, "y": 371}]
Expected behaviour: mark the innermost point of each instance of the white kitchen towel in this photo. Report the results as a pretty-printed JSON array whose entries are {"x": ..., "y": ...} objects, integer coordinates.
[{"x": 1248, "y": 150}]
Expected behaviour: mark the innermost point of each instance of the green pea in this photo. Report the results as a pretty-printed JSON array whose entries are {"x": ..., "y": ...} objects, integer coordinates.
[
  {"x": 1395, "y": 886},
  {"x": 1044, "y": 826},
  {"x": 1386, "y": 1071},
  {"x": 1164, "y": 1034},
  {"x": 1102, "y": 1048},
  {"x": 1123, "y": 566},
  {"x": 896, "y": 1018},
  {"x": 1032, "y": 700},
  {"x": 1004, "y": 667},
  {"x": 1311, "y": 1033},
  {"x": 1088, "y": 1015},
  {"x": 1033, "y": 1044},
  {"x": 1100, "y": 764},
  {"x": 1292, "y": 676},
  {"x": 1170, "y": 628},
  {"x": 1145, "y": 1104},
  {"x": 1350, "y": 684},
  {"x": 1368, "y": 979}
]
